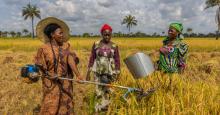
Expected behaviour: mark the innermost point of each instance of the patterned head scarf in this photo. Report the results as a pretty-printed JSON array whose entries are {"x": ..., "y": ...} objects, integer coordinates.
[{"x": 178, "y": 26}]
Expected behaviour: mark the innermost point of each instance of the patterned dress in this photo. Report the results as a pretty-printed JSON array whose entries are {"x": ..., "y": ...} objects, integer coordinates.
[
  {"x": 57, "y": 94},
  {"x": 173, "y": 56},
  {"x": 105, "y": 63}
]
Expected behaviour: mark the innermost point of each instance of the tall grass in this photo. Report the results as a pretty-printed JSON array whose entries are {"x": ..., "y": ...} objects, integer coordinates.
[{"x": 196, "y": 91}]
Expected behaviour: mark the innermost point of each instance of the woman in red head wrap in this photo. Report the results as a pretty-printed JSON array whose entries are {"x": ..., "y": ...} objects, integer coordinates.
[{"x": 105, "y": 63}]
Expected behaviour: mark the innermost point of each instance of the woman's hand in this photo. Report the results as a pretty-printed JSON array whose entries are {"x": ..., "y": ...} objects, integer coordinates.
[
  {"x": 79, "y": 79},
  {"x": 164, "y": 50},
  {"x": 167, "y": 49}
]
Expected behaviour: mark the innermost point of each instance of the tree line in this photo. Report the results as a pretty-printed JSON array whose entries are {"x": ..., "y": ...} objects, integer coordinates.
[
  {"x": 142, "y": 34},
  {"x": 27, "y": 34},
  {"x": 23, "y": 33}
]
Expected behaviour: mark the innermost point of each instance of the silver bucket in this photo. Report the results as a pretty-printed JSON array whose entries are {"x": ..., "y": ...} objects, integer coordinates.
[{"x": 140, "y": 65}]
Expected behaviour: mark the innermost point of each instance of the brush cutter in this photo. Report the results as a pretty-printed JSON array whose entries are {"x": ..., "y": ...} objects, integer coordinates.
[{"x": 141, "y": 93}]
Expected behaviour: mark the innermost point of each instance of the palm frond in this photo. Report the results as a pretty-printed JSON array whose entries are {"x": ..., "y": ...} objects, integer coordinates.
[
  {"x": 30, "y": 11},
  {"x": 212, "y": 3}
]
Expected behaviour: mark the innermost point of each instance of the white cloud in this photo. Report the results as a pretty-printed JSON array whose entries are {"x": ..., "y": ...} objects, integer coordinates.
[{"x": 89, "y": 15}]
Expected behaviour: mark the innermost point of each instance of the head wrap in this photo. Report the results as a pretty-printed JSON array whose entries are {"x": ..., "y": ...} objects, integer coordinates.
[
  {"x": 178, "y": 26},
  {"x": 106, "y": 27}
]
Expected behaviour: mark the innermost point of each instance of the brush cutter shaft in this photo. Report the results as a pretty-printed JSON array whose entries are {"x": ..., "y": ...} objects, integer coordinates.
[{"x": 102, "y": 84}]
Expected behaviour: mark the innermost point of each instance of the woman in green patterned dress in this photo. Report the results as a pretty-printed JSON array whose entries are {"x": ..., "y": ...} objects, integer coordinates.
[{"x": 173, "y": 52}]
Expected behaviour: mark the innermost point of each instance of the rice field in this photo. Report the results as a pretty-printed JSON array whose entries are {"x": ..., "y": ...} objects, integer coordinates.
[{"x": 196, "y": 91}]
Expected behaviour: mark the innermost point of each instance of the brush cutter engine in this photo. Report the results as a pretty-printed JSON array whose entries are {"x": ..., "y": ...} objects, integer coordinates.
[{"x": 30, "y": 73}]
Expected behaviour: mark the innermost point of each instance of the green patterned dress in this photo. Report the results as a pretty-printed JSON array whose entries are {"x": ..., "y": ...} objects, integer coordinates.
[{"x": 173, "y": 56}]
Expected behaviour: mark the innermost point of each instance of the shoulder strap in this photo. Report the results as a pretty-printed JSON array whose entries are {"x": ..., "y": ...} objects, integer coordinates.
[
  {"x": 97, "y": 44},
  {"x": 55, "y": 60},
  {"x": 114, "y": 45}
]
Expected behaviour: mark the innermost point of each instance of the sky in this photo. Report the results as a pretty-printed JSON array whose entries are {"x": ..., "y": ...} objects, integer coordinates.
[{"x": 89, "y": 15}]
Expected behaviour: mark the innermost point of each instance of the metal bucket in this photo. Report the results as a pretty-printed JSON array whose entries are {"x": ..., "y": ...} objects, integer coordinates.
[{"x": 140, "y": 65}]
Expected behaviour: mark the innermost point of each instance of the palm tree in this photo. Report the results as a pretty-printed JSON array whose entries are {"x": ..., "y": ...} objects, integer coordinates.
[
  {"x": 25, "y": 32},
  {"x": 5, "y": 34},
  {"x": 189, "y": 31},
  {"x": 130, "y": 21},
  {"x": 12, "y": 33},
  {"x": 163, "y": 33},
  {"x": 213, "y": 3},
  {"x": 18, "y": 34},
  {"x": 31, "y": 11}
]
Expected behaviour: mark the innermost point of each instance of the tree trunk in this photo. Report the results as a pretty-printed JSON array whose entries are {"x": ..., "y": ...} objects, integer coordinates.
[
  {"x": 129, "y": 29},
  {"x": 32, "y": 22},
  {"x": 218, "y": 21}
]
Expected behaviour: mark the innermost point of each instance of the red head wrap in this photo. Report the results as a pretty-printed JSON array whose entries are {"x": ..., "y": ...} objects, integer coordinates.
[{"x": 106, "y": 27}]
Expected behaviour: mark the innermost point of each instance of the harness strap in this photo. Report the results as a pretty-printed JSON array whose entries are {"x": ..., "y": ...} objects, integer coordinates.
[{"x": 55, "y": 60}]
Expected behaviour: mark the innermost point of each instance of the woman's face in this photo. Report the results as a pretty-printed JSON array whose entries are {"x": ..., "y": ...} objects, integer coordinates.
[
  {"x": 106, "y": 35},
  {"x": 172, "y": 33},
  {"x": 58, "y": 35}
]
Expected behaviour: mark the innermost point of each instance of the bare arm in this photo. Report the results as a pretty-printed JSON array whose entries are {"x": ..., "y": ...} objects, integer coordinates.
[
  {"x": 91, "y": 62},
  {"x": 73, "y": 66},
  {"x": 117, "y": 60}
]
